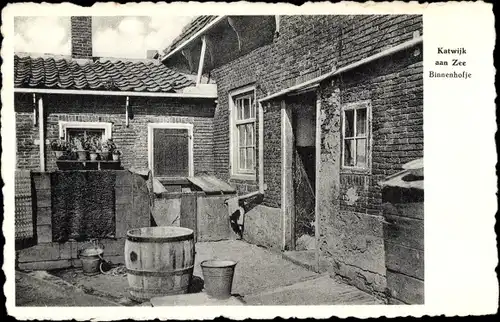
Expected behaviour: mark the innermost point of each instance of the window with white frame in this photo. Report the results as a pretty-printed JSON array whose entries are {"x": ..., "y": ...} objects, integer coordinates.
[
  {"x": 355, "y": 134},
  {"x": 243, "y": 111},
  {"x": 84, "y": 130}
]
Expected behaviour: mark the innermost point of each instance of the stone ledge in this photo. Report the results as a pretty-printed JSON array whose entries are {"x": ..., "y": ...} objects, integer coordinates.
[{"x": 45, "y": 265}]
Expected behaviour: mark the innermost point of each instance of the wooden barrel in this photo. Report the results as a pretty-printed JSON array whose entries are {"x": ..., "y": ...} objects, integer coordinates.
[{"x": 159, "y": 261}]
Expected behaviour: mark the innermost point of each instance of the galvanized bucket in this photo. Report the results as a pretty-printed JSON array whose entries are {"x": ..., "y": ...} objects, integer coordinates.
[
  {"x": 91, "y": 259},
  {"x": 218, "y": 276}
]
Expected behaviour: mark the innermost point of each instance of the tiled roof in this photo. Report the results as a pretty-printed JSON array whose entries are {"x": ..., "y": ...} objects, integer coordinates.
[
  {"x": 192, "y": 28},
  {"x": 112, "y": 75}
]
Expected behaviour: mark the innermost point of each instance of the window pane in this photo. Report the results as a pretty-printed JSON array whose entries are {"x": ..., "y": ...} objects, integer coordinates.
[
  {"x": 75, "y": 133},
  {"x": 348, "y": 153},
  {"x": 242, "y": 135},
  {"x": 249, "y": 158},
  {"x": 84, "y": 134},
  {"x": 361, "y": 152},
  {"x": 252, "y": 107},
  {"x": 361, "y": 122},
  {"x": 250, "y": 134},
  {"x": 242, "y": 158},
  {"x": 246, "y": 110},
  {"x": 349, "y": 123},
  {"x": 95, "y": 134},
  {"x": 238, "y": 109}
]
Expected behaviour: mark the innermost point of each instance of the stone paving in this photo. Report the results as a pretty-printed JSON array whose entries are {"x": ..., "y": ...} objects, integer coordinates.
[{"x": 262, "y": 277}]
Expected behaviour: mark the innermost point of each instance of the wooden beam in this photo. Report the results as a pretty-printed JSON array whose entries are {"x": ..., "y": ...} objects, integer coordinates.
[
  {"x": 287, "y": 191},
  {"x": 42, "y": 134},
  {"x": 34, "y": 109},
  {"x": 202, "y": 60},
  {"x": 126, "y": 111}
]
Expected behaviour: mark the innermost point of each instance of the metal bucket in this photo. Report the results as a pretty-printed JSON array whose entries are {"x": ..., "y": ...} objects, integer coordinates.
[
  {"x": 91, "y": 259},
  {"x": 218, "y": 276}
]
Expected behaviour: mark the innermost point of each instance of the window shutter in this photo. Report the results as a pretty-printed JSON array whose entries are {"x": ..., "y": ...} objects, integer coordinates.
[{"x": 171, "y": 152}]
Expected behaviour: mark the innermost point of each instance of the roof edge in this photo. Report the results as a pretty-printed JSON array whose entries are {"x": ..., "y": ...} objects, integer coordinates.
[
  {"x": 195, "y": 36},
  {"x": 184, "y": 94}
]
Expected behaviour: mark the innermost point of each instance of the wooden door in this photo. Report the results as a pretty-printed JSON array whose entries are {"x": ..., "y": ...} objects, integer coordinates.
[{"x": 170, "y": 152}]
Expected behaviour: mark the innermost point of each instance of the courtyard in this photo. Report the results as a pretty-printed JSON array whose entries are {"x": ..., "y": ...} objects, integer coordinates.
[{"x": 262, "y": 277}]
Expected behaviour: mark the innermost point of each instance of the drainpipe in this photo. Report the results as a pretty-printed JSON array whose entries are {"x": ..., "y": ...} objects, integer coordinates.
[
  {"x": 202, "y": 59},
  {"x": 41, "y": 126}
]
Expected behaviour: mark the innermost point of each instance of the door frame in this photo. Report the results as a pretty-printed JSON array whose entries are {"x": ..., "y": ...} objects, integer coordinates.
[
  {"x": 287, "y": 186},
  {"x": 179, "y": 126}
]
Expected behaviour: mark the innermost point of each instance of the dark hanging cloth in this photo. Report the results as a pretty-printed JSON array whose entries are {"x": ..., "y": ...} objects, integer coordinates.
[{"x": 83, "y": 205}]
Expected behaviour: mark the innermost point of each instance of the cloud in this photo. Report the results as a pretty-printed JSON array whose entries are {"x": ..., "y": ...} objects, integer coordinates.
[
  {"x": 121, "y": 37},
  {"x": 42, "y": 35},
  {"x": 134, "y": 36}
]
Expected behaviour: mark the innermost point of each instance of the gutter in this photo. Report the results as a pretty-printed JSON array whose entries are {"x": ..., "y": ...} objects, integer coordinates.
[
  {"x": 385, "y": 53},
  {"x": 112, "y": 93},
  {"x": 196, "y": 35}
]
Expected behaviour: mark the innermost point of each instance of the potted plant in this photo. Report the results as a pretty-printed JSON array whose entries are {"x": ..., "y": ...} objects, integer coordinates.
[
  {"x": 59, "y": 146},
  {"x": 116, "y": 155},
  {"x": 107, "y": 147},
  {"x": 79, "y": 149},
  {"x": 92, "y": 145}
]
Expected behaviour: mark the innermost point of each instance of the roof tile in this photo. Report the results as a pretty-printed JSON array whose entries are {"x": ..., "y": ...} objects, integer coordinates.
[{"x": 117, "y": 75}]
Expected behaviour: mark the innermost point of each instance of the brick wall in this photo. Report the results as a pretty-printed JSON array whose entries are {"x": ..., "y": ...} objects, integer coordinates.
[
  {"x": 394, "y": 87},
  {"x": 131, "y": 140},
  {"x": 352, "y": 236}
]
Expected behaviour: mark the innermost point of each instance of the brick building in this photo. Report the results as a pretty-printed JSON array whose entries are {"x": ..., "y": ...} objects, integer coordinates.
[
  {"x": 134, "y": 102},
  {"x": 313, "y": 112}
]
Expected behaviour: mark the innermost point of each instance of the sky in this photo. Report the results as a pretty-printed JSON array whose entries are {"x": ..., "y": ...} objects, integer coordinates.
[{"x": 121, "y": 37}]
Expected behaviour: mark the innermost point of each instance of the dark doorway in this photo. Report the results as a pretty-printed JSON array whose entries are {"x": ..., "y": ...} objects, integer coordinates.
[{"x": 304, "y": 169}]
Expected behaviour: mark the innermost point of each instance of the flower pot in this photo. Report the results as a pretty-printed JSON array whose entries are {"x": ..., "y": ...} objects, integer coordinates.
[
  {"x": 58, "y": 154},
  {"x": 218, "y": 276},
  {"x": 116, "y": 157},
  {"x": 104, "y": 155},
  {"x": 93, "y": 156},
  {"x": 82, "y": 155}
]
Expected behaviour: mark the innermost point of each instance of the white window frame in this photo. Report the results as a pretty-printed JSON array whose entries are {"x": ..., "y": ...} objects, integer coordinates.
[
  {"x": 182, "y": 126},
  {"x": 65, "y": 125},
  {"x": 356, "y": 106},
  {"x": 236, "y": 173}
]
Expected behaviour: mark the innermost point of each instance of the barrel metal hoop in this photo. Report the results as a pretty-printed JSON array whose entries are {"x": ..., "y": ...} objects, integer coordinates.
[
  {"x": 182, "y": 271},
  {"x": 159, "y": 239}
]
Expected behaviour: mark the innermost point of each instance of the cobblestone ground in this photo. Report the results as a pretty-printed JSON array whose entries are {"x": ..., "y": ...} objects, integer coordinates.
[{"x": 33, "y": 291}]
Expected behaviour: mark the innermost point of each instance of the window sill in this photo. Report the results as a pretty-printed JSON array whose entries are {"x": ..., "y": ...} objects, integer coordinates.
[
  {"x": 353, "y": 170},
  {"x": 244, "y": 177}
]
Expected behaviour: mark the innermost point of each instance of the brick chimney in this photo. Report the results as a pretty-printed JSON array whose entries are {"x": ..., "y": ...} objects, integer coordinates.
[{"x": 81, "y": 37}]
